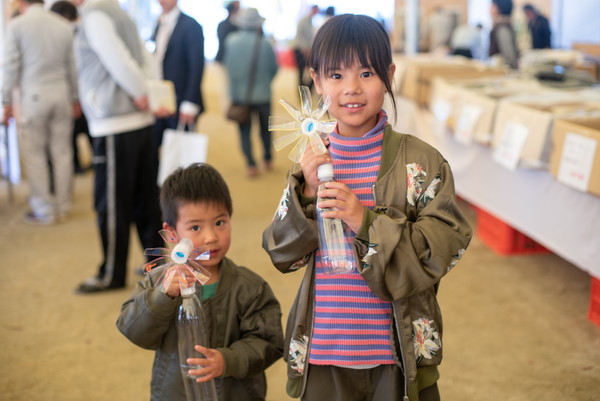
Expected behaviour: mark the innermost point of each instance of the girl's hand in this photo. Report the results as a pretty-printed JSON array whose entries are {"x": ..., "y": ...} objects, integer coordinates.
[
  {"x": 347, "y": 206},
  {"x": 309, "y": 163},
  {"x": 213, "y": 365}
]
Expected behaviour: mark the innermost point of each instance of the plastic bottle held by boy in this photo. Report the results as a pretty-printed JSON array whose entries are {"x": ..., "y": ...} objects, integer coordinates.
[
  {"x": 337, "y": 251},
  {"x": 191, "y": 330}
]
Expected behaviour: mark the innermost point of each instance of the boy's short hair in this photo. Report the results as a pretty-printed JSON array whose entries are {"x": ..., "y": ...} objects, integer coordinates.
[{"x": 197, "y": 183}]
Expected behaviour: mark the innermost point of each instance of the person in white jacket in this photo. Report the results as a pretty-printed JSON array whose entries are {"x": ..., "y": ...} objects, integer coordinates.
[
  {"x": 38, "y": 60},
  {"x": 111, "y": 62}
]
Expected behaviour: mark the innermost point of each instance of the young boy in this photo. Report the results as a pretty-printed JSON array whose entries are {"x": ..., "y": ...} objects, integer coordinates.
[{"x": 244, "y": 317}]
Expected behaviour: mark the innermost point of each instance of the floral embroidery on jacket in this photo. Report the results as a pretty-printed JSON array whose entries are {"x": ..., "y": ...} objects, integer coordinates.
[
  {"x": 415, "y": 177},
  {"x": 431, "y": 190},
  {"x": 298, "y": 354},
  {"x": 456, "y": 258},
  {"x": 282, "y": 209},
  {"x": 427, "y": 340}
]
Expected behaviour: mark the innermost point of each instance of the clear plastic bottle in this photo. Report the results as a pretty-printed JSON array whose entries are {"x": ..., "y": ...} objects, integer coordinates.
[
  {"x": 337, "y": 255},
  {"x": 191, "y": 331}
]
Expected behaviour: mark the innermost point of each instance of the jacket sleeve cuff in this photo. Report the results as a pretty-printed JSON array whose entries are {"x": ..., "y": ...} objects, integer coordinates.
[
  {"x": 368, "y": 218},
  {"x": 235, "y": 366}
]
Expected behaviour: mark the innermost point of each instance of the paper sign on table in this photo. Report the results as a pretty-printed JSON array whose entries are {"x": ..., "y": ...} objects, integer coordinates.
[
  {"x": 467, "y": 121},
  {"x": 576, "y": 161},
  {"x": 509, "y": 149}
]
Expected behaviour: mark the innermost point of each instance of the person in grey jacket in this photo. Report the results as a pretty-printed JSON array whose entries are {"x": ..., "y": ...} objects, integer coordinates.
[
  {"x": 111, "y": 63},
  {"x": 38, "y": 59},
  {"x": 243, "y": 316},
  {"x": 241, "y": 46}
]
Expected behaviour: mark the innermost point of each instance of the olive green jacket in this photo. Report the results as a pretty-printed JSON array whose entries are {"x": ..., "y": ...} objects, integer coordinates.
[
  {"x": 414, "y": 236},
  {"x": 244, "y": 324}
]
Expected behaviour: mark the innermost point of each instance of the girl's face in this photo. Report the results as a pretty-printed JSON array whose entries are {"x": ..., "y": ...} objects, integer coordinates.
[
  {"x": 357, "y": 95},
  {"x": 207, "y": 225}
]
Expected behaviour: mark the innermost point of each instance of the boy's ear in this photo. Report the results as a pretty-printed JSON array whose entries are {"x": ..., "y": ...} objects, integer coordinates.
[
  {"x": 170, "y": 229},
  {"x": 316, "y": 80}
]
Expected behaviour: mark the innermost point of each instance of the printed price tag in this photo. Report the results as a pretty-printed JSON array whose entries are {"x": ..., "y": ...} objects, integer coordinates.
[
  {"x": 576, "y": 161},
  {"x": 467, "y": 121},
  {"x": 508, "y": 152}
]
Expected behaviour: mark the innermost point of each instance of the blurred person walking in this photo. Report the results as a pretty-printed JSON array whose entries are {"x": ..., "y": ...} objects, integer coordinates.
[
  {"x": 539, "y": 28},
  {"x": 245, "y": 48},
  {"x": 466, "y": 40},
  {"x": 38, "y": 59},
  {"x": 503, "y": 42},
  {"x": 68, "y": 10},
  {"x": 111, "y": 62},
  {"x": 305, "y": 33},
  {"x": 179, "y": 58},
  {"x": 226, "y": 27}
]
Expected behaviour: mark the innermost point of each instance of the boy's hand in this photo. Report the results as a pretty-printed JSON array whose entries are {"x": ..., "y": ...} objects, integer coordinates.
[
  {"x": 309, "y": 162},
  {"x": 174, "y": 288},
  {"x": 347, "y": 206},
  {"x": 212, "y": 367}
]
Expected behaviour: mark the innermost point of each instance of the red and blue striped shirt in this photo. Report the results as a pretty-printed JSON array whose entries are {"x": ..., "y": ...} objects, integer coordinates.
[{"x": 351, "y": 324}]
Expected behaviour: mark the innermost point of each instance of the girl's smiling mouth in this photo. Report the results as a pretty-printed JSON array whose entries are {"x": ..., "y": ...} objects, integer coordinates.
[{"x": 353, "y": 105}]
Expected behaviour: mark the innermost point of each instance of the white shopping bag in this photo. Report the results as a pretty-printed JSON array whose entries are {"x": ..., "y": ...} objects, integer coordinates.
[{"x": 180, "y": 149}]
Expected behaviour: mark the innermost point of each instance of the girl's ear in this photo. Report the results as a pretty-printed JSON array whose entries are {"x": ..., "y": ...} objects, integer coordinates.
[
  {"x": 392, "y": 70},
  {"x": 316, "y": 80}
]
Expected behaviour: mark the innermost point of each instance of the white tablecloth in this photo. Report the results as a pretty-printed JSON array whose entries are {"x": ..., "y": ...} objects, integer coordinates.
[{"x": 562, "y": 219}]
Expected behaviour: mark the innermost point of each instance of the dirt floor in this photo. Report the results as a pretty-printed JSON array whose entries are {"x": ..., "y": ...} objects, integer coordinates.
[{"x": 516, "y": 328}]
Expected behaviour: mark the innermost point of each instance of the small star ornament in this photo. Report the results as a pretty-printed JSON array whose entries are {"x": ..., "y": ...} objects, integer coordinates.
[
  {"x": 180, "y": 253},
  {"x": 306, "y": 127}
]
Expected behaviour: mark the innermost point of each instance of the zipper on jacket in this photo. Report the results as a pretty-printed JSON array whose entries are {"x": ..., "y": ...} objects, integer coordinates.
[
  {"x": 404, "y": 366},
  {"x": 374, "y": 195}
]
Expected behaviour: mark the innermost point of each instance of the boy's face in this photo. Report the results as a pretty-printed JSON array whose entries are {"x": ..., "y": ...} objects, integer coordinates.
[{"x": 207, "y": 225}]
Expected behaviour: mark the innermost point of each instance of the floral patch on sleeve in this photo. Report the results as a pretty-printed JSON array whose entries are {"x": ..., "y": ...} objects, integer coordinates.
[
  {"x": 282, "y": 209},
  {"x": 415, "y": 178},
  {"x": 298, "y": 350},
  {"x": 455, "y": 258},
  {"x": 426, "y": 339}
]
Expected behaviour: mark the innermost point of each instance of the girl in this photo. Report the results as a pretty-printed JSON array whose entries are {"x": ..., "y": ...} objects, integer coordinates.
[{"x": 374, "y": 333}]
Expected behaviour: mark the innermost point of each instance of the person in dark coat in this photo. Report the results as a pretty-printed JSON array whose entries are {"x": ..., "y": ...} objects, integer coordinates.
[{"x": 539, "y": 28}]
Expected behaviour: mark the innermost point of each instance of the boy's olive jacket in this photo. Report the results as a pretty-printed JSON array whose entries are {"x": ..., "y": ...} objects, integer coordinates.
[
  {"x": 244, "y": 324},
  {"x": 415, "y": 234}
]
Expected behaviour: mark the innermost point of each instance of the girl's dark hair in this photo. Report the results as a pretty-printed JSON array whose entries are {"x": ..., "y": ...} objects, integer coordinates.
[
  {"x": 197, "y": 183},
  {"x": 504, "y": 6},
  {"x": 347, "y": 38}
]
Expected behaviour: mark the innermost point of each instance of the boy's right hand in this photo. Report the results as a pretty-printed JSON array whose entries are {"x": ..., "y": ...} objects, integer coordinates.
[
  {"x": 309, "y": 162},
  {"x": 173, "y": 289}
]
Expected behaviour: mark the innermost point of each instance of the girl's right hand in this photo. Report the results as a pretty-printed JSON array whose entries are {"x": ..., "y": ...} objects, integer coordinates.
[{"x": 309, "y": 162}]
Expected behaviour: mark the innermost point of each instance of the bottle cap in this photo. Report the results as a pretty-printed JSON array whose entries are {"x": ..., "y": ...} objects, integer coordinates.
[{"x": 325, "y": 172}]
